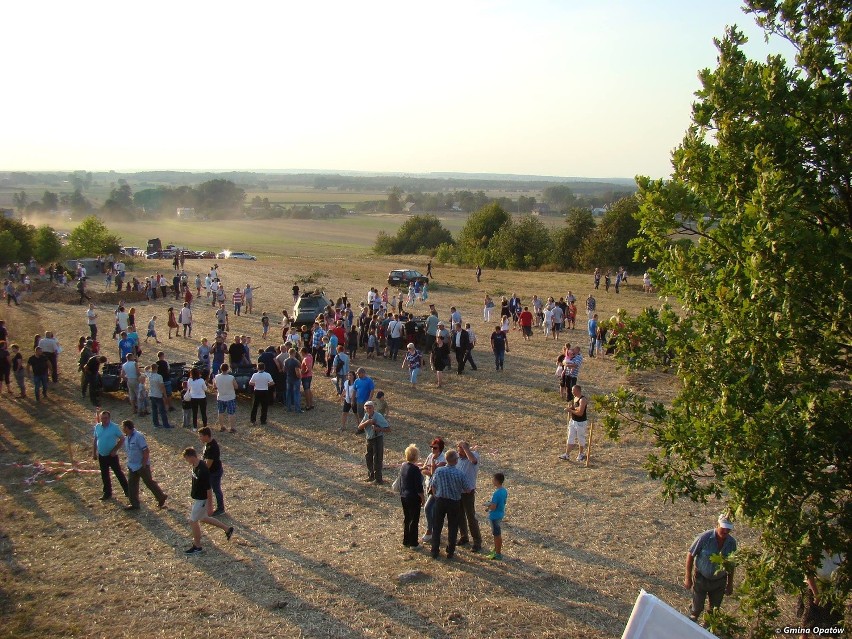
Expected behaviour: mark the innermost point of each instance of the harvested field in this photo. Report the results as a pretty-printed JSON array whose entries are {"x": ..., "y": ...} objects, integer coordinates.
[{"x": 317, "y": 551}]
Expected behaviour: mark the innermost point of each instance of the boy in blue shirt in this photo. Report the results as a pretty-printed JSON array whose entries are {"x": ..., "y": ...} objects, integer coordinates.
[{"x": 496, "y": 510}]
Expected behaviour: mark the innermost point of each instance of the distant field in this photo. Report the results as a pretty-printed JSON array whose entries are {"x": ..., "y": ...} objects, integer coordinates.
[
  {"x": 311, "y": 196},
  {"x": 347, "y": 235}
]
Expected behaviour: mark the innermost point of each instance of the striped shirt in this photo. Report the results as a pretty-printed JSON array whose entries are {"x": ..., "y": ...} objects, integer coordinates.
[
  {"x": 238, "y": 298},
  {"x": 448, "y": 482}
]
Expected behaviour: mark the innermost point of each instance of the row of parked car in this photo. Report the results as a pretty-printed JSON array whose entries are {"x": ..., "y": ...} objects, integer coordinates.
[{"x": 169, "y": 253}]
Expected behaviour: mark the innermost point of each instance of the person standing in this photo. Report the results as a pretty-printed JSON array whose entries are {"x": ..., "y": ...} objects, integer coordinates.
[
  {"x": 51, "y": 349},
  {"x": 364, "y": 388},
  {"x": 307, "y": 376},
  {"x": 202, "y": 502},
  {"x": 447, "y": 486},
  {"x": 18, "y": 369},
  {"x": 499, "y": 346},
  {"x": 411, "y": 496},
  {"x": 478, "y": 273},
  {"x": 92, "y": 321},
  {"x": 185, "y": 319},
  {"x": 108, "y": 439},
  {"x": 414, "y": 361},
  {"x": 92, "y": 380},
  {"x": 525, "y": 321},
  {"x": 593, "y": 334},
  {"x": 468, "y": 464},
  {"x": 37, "y": 366},
  {"x": 130, "y": 375},
  {"x": 461, "y": 344},
  {"x": 705, "y": 578},
  {"x": 237, "y": 298},
  {"x": 226, "y": 397},
  {"x": 471, "y": 337},
  {"x": 139, "y": 466},
  {"x": 577, "y": 425},
  {"x": 261, "y": 381},
  {"x": 196, "y": 386},
  {"x": 156, "y": 394},
  {"x": 292, "y": 368},
  {"x": 374, "y": 426},
  {"x": 591, "y": 305},
  {"x": 429, "y": 268},
  {"x": 496, "y": 511},
  {"x": 172, "y": 322},
  {"x": 212, "y": 457}
]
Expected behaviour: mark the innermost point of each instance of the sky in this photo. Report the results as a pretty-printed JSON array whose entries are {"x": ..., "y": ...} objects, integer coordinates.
[{"x": 599, "y": 88}]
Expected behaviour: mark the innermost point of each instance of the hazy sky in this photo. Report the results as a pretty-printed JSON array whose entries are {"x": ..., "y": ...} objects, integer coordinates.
[{"x": 598, "y": 88}]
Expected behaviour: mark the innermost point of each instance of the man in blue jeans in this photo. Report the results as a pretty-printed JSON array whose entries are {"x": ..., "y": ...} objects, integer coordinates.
[
  {"x": 139, "y": 465},
  {"x": 37, "y": 366},
  {"x": 292, "y": 372},
  {"x": 593, "y": 334},
  {"x": 156, "y": 392}
]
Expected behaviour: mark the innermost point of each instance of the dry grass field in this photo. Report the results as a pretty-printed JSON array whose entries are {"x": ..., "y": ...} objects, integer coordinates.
[{"x": 317, "y": 551}]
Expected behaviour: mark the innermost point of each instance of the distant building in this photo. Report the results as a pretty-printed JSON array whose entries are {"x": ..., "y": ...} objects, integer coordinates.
[
  {"x": 540, "y": 209},
  {"x": 186, "y": 214}
]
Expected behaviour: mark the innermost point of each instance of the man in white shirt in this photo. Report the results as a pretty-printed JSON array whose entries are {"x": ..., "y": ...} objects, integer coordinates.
[
  {"x": 91, "y": 318},
  {"x": 50, "y": 347},
  {"x": 395, "y": 328},
  {"x": 260, "y": 382},
  {"x": 156, "y": 395},
  {"x": 185, "y": 318},
  {"x": 130, "y": 375},
  {"x": 226, "y": 397}
]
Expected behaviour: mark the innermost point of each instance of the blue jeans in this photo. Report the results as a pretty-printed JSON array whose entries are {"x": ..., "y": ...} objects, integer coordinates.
[
  {"x": 158, "y": 410},
  {"x": 591, "y": 345},
  {"x": 40, "y": 381},
  {"x": 499, "y": 356},
  {"x": 414, "y": 373},
  {"x": 430, "y": 512},
  {"x": 294, "y": 397},
  {"x": 216, "y": 487}
]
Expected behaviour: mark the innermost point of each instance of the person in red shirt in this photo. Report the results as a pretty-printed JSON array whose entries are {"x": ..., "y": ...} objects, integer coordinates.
[
  {"x": 340, "y": 331},
  {"x": 525, "y": 319}
]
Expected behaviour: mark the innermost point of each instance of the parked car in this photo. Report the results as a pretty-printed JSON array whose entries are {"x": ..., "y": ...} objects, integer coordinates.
[
  {"x": 403, "y": 277},
  {"x": 235, "y": 255},
  {"x": 310, "y": 305}
]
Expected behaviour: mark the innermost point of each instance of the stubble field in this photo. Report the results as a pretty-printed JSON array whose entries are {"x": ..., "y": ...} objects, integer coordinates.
[{"x": 317, "y": 551}]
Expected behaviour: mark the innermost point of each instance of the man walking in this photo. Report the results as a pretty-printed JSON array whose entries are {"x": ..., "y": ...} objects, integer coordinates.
[
  {"x": 461, "y": 343},
  {"x": 92, "y": 320},
  {"x": 374, "y": 426},
  {"x": 577, "y": 425},
  {"x": 156, "y": 393},
  {"x": 107, "y": 441},
  {"x": 447, "y": 486},
  {"x": 139, "y": 465},
  {"x": 202, "y": 502},
  {"x": 593, "y": 334},
  {"x": 706, "y": 579},
  {"x": 37, "y": 366},
  {"x": 468, "y": 464},
  {"x": 92, "y": 379}
]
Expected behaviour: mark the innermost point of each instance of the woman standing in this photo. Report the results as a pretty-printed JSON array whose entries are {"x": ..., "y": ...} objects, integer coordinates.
[
  {"x": 411, "y": 495},
  {"x": 172, "y": 323},
  {"x": 440, "y": 358},
  {"x": 196, "y": 386},
  {"x": 486, "y": 308},
  {"x": 414, "y": 361}
]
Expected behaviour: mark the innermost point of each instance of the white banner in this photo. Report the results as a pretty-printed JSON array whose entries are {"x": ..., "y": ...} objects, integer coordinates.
[{"x": 655, "y": 619}]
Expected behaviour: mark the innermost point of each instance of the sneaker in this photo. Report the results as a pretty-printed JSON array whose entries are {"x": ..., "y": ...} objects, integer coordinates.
[
  {"x": 581, "y": 457},
  {"x": 218, "y": 511},
  {"x": 426, "y": 538},
  {"x": 495, "y": 555},
  {"x": 565, "y": 457},
  {"x": 193, "y": 550},
  {"x": 162, "y": 502},
  {"x": 131, "y": 507},
  {"x": 229, "y": 532}
]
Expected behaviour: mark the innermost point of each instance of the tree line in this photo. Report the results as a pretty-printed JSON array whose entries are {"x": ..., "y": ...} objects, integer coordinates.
[
  {"x": 493, "y": 238},
  {"x": 20, "y": 241}
]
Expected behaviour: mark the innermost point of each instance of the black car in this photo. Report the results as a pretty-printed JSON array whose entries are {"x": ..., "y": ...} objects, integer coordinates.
[
  {"x": 308, "y": 307},
  {"x": 403, "y": 277}
]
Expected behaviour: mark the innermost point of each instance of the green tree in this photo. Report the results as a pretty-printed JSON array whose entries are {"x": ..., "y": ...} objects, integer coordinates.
[
  {"x": 608, "y": 244},
  {"x": 579, "y": 225},
  {"x": 120, "y": 200},
  {"x": 221, "y": 197},
  {"x": 10, "y": 248},
  {"x": 50, "y": 201},
  {"x": 477, "y": 233},
  {"x": 752, "y": 234},
  {"x": 20, "y": 200},
  {"x": 418, "y": 234},
  {"x": 559, "y": 196},
  {"x": 90, "y": 238},
  {"x": 23, "y": 234},
  {"x": 46, "y": 245},
  {"x": 521, "y": 245},
  {"x": 394, "y": 202}
]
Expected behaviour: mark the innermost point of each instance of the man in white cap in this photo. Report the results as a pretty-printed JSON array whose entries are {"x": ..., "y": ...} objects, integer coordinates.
[
  {"x": 374, "y": 426},
  {"x": 705, "y": 578}
]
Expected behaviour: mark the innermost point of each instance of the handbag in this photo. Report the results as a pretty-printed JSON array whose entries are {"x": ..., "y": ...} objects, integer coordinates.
[{"x": 396, "y": 482}]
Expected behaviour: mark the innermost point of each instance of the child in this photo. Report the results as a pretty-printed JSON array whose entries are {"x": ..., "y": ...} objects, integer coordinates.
[
  {"x": 347, "y": 396},
  {"x": 264, "y": 321},
  {"x": 496, "y": 510},
  {"x": 381, "y": 404},
  {"x": 142, "y": 396},
  {"x": 560, "y": 375},
  {"x": 371, "y": 344},
  {"x": 152, "y": 330}
]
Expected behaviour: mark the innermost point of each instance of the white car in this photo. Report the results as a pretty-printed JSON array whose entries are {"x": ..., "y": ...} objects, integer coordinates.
[{"x": 235, "y": 255}]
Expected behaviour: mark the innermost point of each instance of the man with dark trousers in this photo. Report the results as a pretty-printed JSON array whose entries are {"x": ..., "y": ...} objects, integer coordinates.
[
  {"x": 447, "y": 485},
  {"x": 461, "y": 344},
  {"x": 108, "y": 440}
]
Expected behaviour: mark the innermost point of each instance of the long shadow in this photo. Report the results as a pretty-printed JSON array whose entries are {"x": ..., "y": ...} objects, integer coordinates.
[
  {"x": 553, "y": 591},
  {"x": 591, "y": 558}
]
